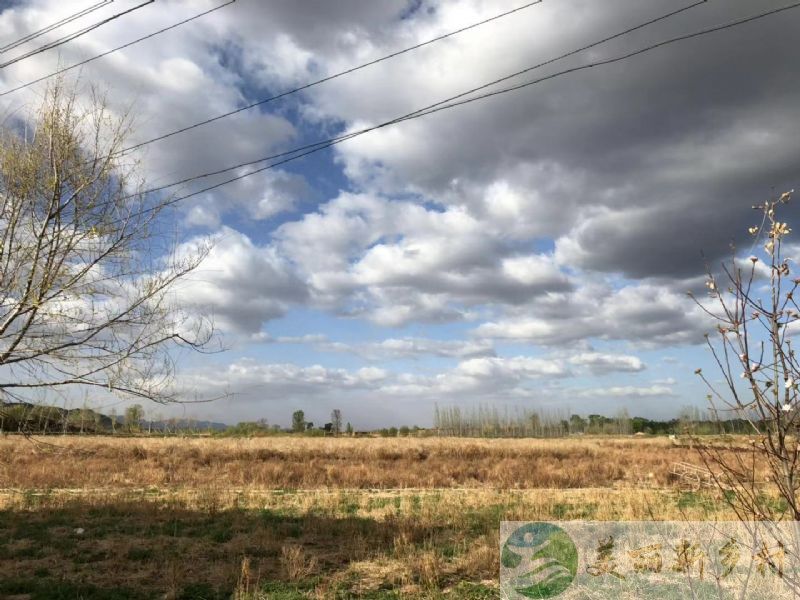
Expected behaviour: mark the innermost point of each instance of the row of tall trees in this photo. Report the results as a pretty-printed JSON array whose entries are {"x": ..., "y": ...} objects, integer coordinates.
[{"x": 489, "y": 421}]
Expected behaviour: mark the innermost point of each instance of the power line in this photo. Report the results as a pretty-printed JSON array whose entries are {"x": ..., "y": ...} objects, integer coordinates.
[
  {"x": 56, "y": 25},
  {"x": 339, "y": 139},
  {"x": 616, "y": 59},
  {"x": 446, "y": 104},
  {"x": 117, "y": 49},
  {"x": 73, "y": 36},
  {"x": 330, "y": 77}
]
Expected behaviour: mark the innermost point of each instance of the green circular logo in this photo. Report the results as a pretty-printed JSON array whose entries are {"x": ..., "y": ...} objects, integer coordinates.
[{"x": 539, "y": 560}]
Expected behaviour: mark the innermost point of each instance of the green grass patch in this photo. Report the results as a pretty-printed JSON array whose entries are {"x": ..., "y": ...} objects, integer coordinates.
[{"x": 51, "y": 589}]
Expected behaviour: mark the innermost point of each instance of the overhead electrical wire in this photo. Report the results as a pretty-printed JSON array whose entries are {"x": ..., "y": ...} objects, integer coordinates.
[
  {"x": 344, "y": 137},
  {"x": 331, "y": 77},
  {"x": 72, "y": 36},
  {"x": 447, "y": 104},
  {"x": 117, "y": 49},
  {"x": 51, "y": 27}
]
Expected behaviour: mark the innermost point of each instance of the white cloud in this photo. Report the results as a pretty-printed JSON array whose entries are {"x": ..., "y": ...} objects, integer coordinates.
[
  {"x": 395, "y": 262},
  {"x": 644, "y": 313},
  {"x": 414, "y": 348},
  {"x": 372, "y": 374},
  {"x": 518, "y": 367},
  {"x": 626, "y": 391},
  {"x": 480, "y": 378},
  {"x": 473, "y": 378},
  {"x": 316, "y": 380},
  {"x": 241, "y": 284},
  {"x": 600, "y": 363},
  {"x": 171, "y": 81}
]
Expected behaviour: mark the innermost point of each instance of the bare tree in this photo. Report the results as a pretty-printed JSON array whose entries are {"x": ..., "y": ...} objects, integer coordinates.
[
  {"x": 88, "y": 263},
  {"x": 753, "y": 303}
]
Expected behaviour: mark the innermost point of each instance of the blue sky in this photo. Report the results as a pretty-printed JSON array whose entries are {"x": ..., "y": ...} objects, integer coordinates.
[{"x": 533, "y": 249}]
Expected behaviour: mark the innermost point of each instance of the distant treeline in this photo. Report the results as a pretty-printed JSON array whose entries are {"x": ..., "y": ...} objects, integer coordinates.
[
  {"x": 489, "y": 421},
  {"x": 23, "y": 417},
  {"x": 479, "y": 421},
  {"x": 34, "y": 418}
]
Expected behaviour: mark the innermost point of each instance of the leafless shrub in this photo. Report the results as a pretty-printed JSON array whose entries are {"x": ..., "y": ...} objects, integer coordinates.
[
  {"x": 755, "y": 310},
  {"x": 296, "y": 563}
]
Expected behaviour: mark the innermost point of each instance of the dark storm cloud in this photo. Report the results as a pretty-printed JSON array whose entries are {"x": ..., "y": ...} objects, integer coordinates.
[{"x": 677, "y": 143}]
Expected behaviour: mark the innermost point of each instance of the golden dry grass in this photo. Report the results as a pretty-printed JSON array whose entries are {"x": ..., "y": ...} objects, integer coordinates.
[{"x": 285, "y": 462}]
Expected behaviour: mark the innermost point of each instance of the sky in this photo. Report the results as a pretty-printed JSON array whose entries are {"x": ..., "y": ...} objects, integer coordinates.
[{"x": 533, "y": 249}]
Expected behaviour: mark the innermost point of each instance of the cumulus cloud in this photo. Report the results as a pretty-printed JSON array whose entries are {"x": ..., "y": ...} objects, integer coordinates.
[
  {"x": 480, "y": 378},
  {"x": 414, "y": 348},
  {"x": 476, "y": 376},
  {"x": 172, "y": 81},
  {"x": 600, "y": 363},
  {"x": 625, "y": 190},
  {"x": 520, "y": 366},
  {"x": 274, "y": 379},
  {"x": 641, "y": 313},
  {"x": 388, "y": 349},
  {"x": 241, "y": 285},
  {"x": 395, "y": 262}
]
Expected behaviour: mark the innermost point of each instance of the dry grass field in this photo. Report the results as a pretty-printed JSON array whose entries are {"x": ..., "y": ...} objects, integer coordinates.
[
  {"x": 291, "y": 518},
  {"x": 294, "y": 463}
]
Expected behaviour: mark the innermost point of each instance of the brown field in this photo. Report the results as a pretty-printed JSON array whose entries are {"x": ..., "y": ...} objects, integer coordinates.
[
  {"x": 305, "y": 463},
  {"x": 292, "y": 518}
]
